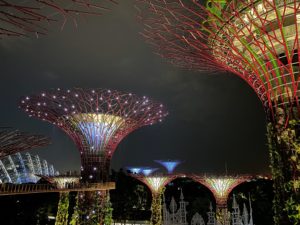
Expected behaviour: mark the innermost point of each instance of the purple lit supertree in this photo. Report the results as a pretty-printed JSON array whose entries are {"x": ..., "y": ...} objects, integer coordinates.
[
  {"x": 96, "y": 120},
  {"x": 170, "y": 165},
  {"x": 258, "y": 40},
  {"x": 14, "y": 141},
  {"x": 20, "y": 18}
]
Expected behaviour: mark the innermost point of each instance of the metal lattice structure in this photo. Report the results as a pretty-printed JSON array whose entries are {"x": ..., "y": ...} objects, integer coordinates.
[
  {"x": 13, "y": 141},
  {"x": 24, "y": 168},
  {"x": 96, "y": 120},
  {"x": 170, "y": 165},
  {"x": 22, "y": 18},
  {"x": 258, "y": 40},
  {"x": 221, "y": 187}
]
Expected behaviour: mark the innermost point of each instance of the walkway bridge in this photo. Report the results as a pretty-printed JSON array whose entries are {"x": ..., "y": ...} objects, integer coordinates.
[{"x": 20, "y": 189}]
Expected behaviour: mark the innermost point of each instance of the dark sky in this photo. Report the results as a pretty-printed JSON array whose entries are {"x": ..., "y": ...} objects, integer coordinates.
[{"x": 214, "y": 118}]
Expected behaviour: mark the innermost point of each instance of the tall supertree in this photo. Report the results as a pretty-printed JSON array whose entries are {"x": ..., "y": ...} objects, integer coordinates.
[
  {"x": 170, "y": 165},
  {"x": 221, "y": 188},
  {"x": 259, "y": 41},
  {"x": 156, "y": 184},
  {"x": 96, "y": 120},
  {"x": 13, "y": 141},
  {"x": 22, "y": 18}
]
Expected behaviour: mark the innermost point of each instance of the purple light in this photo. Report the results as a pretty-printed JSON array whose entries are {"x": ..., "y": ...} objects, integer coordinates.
[{"x": 170, "y": 165}]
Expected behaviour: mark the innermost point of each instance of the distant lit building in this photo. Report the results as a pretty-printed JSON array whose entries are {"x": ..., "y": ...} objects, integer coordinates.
[{"x": 23, "y": 168}]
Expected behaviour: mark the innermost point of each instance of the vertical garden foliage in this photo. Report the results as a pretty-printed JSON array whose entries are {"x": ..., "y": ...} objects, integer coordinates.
[
  {"x": 156, "y": 209},
  {"x": 107, "y": 210},
  {"x": 92, "y": 208},
  {"x": 284, "y": 148},
  {"x": 75, "y": 215},
  {"x": 63, "y": 208}
]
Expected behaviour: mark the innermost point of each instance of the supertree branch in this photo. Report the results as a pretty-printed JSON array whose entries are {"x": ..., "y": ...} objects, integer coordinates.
[
  {"x": 96, "y": 119},
  {"x": 14, "y": 141},
  {"x": 257, "y": 40},
  {"x": 33, "y": 16}
]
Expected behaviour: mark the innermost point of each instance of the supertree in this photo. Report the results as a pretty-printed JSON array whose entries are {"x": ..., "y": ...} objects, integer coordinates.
[
  {"x": 62, "y": 182},
  {"x": 170, "y": 165},
  {"x": 258, "y": 40},
  {"x": 96, "y": 120},
  {"x": 21, "y": 18},
  {"x": 156, "y": 184},
  {"x": 13, "y": 141},
  {"x": 146, "y": 171},
  {"x": 24, "y": 168},
  {"x": 221, "y": 188},
  {"x": 135, "y": 169}
]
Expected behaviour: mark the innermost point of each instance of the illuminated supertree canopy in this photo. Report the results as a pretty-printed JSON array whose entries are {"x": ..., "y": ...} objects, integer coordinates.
[
  {"x": 221, "y": 186},
  {"x": 21, "y": 18},
  {"x": 13, "y": 141},
  {"x": 62, "y": 181},
  {"x": 96, "y": 119},
  {"x": 156, "y": 184},
  {"x": 135, "y": 170},
  {"x": 170, "y": 165},
  {"x": 146, "y": 171},
  {"x": 23, "y": 168},
  {"x": 258, "y": 40}
]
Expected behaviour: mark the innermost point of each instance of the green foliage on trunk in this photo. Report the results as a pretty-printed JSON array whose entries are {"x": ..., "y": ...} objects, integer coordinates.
[
  {"x": 284, "y": 148},
  {"x": 63, "y": 209},
  {"x": 156, "y": 209}
]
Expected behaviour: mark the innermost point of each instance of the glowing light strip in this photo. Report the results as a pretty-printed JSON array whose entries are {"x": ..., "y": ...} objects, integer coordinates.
[
  {"x": 98, "y": 129},
  {"x": 156, "y": 183}
]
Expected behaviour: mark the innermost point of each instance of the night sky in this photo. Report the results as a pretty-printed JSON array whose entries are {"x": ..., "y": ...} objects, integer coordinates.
[{"x": 215, "y": 119}]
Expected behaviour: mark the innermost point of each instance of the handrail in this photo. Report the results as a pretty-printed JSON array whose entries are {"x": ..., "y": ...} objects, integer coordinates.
[{"x": 14, "y": 189}]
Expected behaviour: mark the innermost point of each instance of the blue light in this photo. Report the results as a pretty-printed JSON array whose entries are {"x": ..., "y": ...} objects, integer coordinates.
[
  {"x": 148, "y": 171},
  {"x": 97, "y": 134},
  {"x": 169, "y": 165},
  {"x": 136, "y": 170}
]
